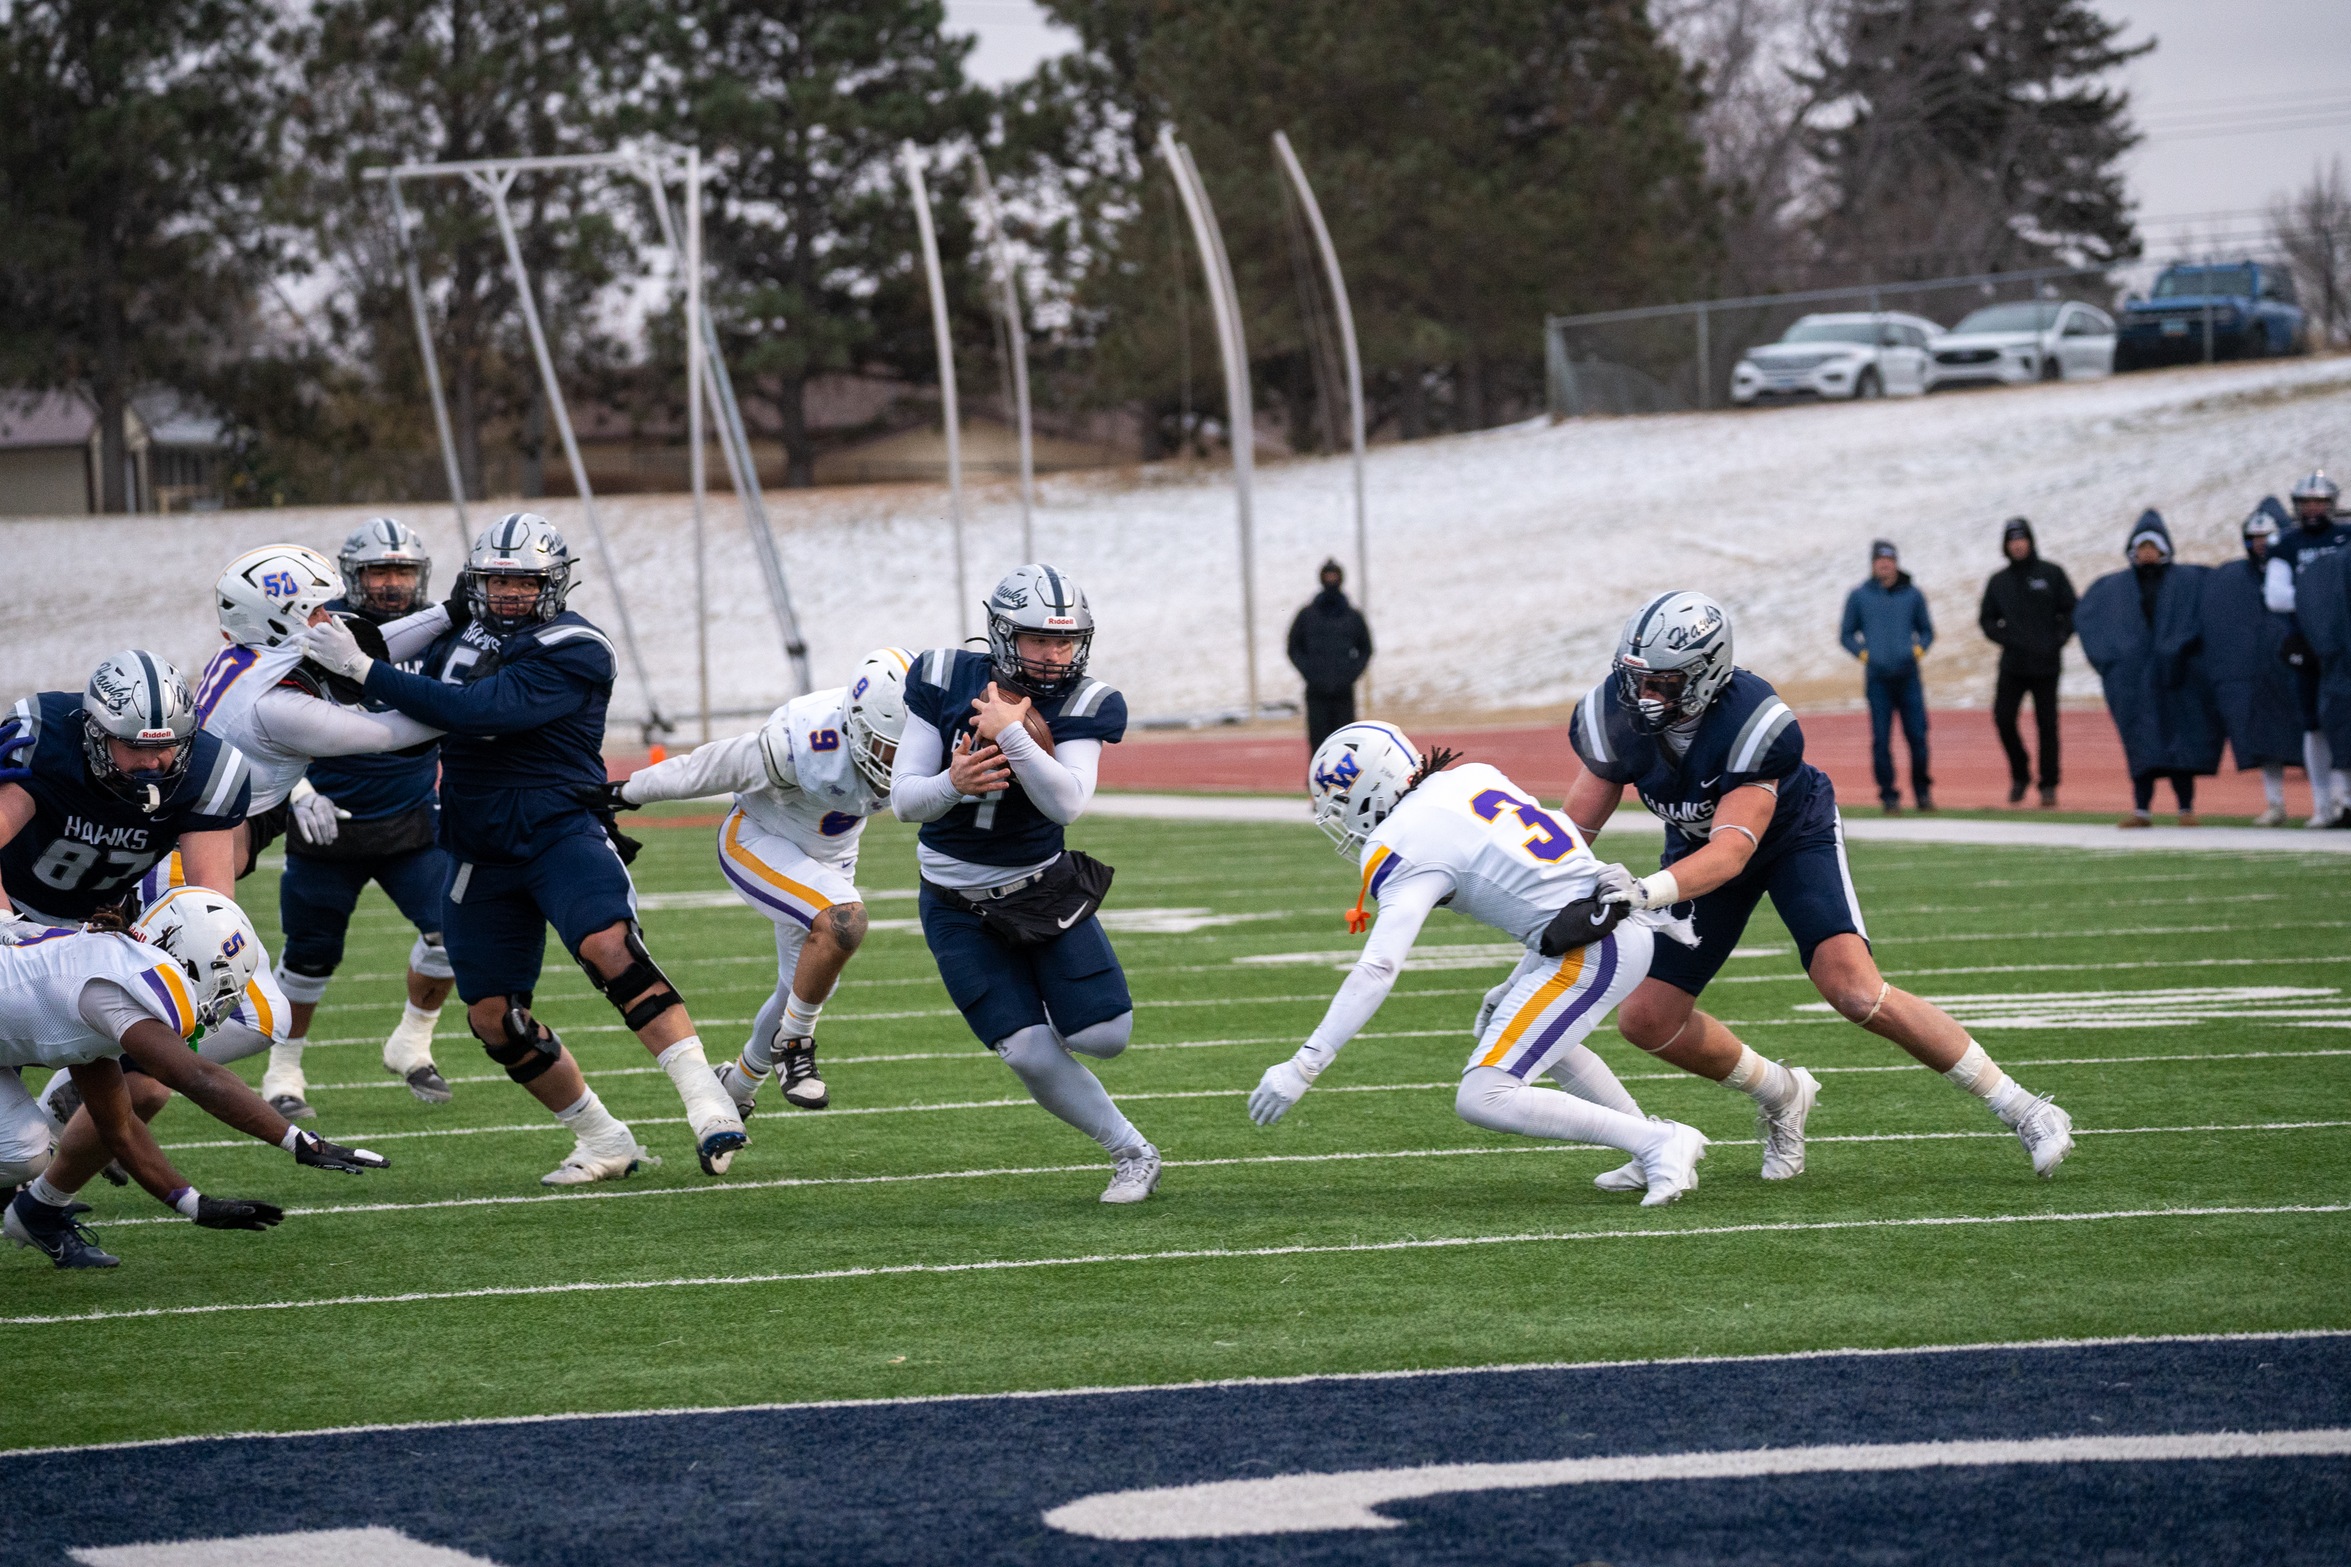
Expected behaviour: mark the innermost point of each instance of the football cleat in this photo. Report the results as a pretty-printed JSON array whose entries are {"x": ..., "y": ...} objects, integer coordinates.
[
  {"x": 1782, "y": 1130},
  {"x": 717, "y": 1147},
  {"x": 292, "y": 1106},
  {"x": 1134, "y": 1175},
  {"x": 797, "y": 1071},
  {"x": 586, "y": 1165},
  {"x": 1624, "y": 1178},
  {"x": 2047, "y": 1134},
  {"x": 58, "y": 1233},
  {"x": 427, "y": 1083},
  {"x": 2274, "y": 816},
  {"x": 1673, "y": 1168},
  {"x": 740, "y": 1085}
]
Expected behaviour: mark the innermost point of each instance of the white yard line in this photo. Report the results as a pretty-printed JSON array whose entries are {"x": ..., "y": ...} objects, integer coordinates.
[
  {"x": 993, "y": 1172},
  {"x": 1195, "y": 1254}
]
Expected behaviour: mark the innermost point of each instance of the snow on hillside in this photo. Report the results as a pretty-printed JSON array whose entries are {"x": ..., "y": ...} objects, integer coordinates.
[{"x": 1501, "y": 563}]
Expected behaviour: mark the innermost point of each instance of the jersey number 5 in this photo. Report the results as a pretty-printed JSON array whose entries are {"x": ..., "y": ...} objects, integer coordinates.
[{"x": 1546, "y": 840}]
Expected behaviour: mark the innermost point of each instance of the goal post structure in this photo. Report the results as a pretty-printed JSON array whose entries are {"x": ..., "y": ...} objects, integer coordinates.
[{"x": 709, "y": 387}]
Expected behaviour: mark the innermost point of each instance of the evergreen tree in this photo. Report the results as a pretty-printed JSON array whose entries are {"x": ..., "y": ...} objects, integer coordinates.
[
  {"x": 1983, "y": 137},
  {"x": 134, "y": 149}
]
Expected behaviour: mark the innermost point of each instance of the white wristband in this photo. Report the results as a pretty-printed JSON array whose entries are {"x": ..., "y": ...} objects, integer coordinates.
[
  {"x": 292, "y": 1140},
  {"x": 187, "y": 1200},
  {"x": 1660, "y": 891}
]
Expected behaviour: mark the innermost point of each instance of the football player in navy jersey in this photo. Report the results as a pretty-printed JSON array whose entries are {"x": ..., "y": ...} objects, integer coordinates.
[
  {"x": 371, "y": 817},
  {"x": 521, "y": 687},
  {"x": 1714, "y": 752},
  {"x": 95, "y": 789},
  {"x": 1009, "y": 913},
  {"x": 2318, "y": 531}
]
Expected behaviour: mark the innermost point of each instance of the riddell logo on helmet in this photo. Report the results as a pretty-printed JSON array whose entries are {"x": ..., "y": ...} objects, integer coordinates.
[
  {"x": 159, "y": 736},
  {"x": 1061, "y": 620}
]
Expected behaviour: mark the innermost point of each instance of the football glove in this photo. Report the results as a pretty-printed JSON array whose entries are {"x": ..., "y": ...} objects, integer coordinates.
[
  {"x": 458, "y": 607},
  {"x": 319, "y": 816},
  {"x": 605, "y": 797},
  {"x": 1486, "y": 1007},
  {"x": 2295, "y": 652},
  {"x": 14, "y": 927},
  {"x": 1282, "y": 1086},
  {"x": 16, "y": 761},
  {"x": 331, "y": 646},
  {"x": 1581, "y": 923},
  {"x": 236, "y": 1213},
  {"x": 316, "y": 1151}
]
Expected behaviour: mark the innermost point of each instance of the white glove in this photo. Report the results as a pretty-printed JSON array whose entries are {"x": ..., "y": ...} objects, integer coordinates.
[
  {"x": 1487, "y": 1006},
  {"x": 317, "y": 814},
  {"x": 331, "y": 646},
  {"x": 14, "y": 927},
  {"x": 1616, "y": 884},
  {"x": 1660, "y": 891},
  {"x": 1282, "y": 1086}
]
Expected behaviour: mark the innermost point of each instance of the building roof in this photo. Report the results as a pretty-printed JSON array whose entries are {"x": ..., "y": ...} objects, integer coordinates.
[{"x": 29, "y": 419}]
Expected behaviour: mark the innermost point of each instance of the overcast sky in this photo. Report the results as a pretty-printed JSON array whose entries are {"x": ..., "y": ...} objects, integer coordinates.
[{"x": 2238, "y": 101}]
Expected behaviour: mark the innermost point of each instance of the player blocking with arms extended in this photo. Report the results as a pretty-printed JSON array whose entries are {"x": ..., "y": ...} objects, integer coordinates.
[
  {"x": 521, "y": 689},
  {"x": 804, "y": 783},
  {"x": 82, "y": 1000},
  {"x": 1429, "y": 834},
  {"x": 1712, "y": 751},
  {"x": 1008, "y": 911}
]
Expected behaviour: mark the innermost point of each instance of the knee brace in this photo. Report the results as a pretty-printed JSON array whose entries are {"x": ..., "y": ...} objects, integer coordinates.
[
  {"x": 430, "y": 958},
  {"x": 642, "y": 975},
  {"x": 529, "y": 1048},
  {"x": 303, "y": 984}
]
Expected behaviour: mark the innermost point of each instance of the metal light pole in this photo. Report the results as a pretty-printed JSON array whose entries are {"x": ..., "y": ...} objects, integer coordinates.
[
  {"x": 1240, "y": 416},
  {"x": 911, "y": 162},
  {"x": 1008, "y": 288},
  {"x": 1346, "y": 314},
  {"x": 697, "y": 465}
]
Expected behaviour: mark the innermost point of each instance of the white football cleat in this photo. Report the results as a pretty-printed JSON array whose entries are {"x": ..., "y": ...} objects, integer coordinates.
[
  {"x": 1782, "y": 1130},
  {"x": 1624, "y": 1178},
  {"x": 1135, "y": 1175},
  {"x": 2275, "y": 816},
  {"x": 587, "y": 1164},
  {"x": 717, "y": 1142},
  {"x": 2047, "y": 1134},
  {"x": 741, "y": 1087},
  {"x": 1673, "y": 1168},
  {"x": 408, "y": 1055},
  {"x": 796, "y": 1070}
]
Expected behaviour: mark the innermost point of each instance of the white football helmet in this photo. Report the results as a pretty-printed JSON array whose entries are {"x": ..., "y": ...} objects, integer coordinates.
[
  {"x": 1358, "y": 774},
  {"x": 874, "y": 713},
  {"x": 268, "y": 595},
  {"x": 211, "y": 941},
  {"x": 1672, "y": 658}
]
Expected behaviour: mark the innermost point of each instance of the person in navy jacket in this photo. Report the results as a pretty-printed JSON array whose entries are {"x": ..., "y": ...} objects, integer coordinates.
[
  {"x": 1887, "y": 627},
  {"x": 2142, "y": 630}
]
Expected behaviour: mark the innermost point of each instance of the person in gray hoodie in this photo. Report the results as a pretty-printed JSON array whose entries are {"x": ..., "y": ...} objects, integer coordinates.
[{"x": 1887, "y": 627}]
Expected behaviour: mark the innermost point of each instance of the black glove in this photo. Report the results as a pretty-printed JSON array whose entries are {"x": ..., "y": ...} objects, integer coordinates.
[
  {"x": 317, "y": 1151},
  {"x": 623, "y": 845},
  {"x": 235, "y": 1213},
  {"x": 1580, "y": 924},
  {"x": 2295, "y": 652},
  {"x": 605, "y": 798}
]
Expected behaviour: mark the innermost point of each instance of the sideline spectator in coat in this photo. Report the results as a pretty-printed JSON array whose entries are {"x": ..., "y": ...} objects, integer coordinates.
[
  {"x": 2139, "y": 628},
  {"x": 1887, "y": 627},
  {"x": 2028, "y": 611},
  {"x": 1330, "y": 647},
  {"x": 2318, "y": 532},
  {"x": 2244, "y": 646}
]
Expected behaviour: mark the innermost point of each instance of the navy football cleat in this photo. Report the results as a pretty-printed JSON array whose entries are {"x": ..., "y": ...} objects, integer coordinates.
[{"x": 58, "y": 1232}]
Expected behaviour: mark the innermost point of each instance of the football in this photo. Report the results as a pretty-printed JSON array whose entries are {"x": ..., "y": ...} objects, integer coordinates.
[{"x": 1039, "y": 730}]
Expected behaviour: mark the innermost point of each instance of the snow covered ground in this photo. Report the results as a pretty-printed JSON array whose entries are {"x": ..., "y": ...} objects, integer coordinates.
[{"x": 1501, "y": 563}]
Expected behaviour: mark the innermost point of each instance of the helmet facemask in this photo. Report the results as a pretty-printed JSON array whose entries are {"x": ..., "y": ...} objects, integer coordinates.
[
  {"x": 387, "y": 597},
  {"x": 872, "y": 754},
  {"x": 145, "y": 789},
  {"x": 1035, "y": 676},
  {"x": 544, "y": 606},
  {"x": 1657, "y": 698}
]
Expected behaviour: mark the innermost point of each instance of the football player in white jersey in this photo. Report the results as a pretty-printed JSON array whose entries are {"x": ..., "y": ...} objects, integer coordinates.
[
  {"x": 1429, "y": 834},
  {"x": 804, "y": 783},
  {"x": 82, "y": 1000},
  {"x": 260, "y": 695}
]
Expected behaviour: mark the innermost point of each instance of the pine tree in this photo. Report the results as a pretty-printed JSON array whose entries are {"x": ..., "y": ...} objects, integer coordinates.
[
  {"x": 134, "y": 150},
  {"x": 1983, "y": 137}
]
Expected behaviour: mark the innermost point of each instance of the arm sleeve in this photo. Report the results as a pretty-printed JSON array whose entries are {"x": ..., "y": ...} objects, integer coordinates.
[
  {"x": 1849, "y": 631},
  {"x": 108, "y": 1009},
  {"x": 407, "y": 638},
  {"x": 2277, "y": 587},
  {"x": 919, "y": 786},
  {"x": 721, "y": 767},
  {"x": 522, "y": 696},
  {"x": 309, "y": 726},
  {"x": 1405, "y": 904},
  {"x": 1060, "y": 785}
]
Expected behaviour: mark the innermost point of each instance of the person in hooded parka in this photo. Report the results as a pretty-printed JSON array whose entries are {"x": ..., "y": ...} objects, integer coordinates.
[
  {"x": 2140, "y": 628},
  {"x": 2243, "y": 652},
  {"x": 2324, "y": 613}
]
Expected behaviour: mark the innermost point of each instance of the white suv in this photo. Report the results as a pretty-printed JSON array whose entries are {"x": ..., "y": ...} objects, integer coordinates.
[
  {"x": 1850, "y": 355},
  {"x": 2030, "y": 340}
]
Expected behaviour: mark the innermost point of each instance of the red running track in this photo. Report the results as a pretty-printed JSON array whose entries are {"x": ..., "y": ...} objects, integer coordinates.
[{"x": 1970, "y": 770}]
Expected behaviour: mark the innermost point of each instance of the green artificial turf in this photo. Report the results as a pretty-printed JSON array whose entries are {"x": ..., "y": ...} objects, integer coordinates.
[{"x": 2232, "y": 964}]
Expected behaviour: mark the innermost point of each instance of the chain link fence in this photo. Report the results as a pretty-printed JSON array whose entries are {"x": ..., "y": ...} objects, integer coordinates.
[{"x": 1668, "y": 358}]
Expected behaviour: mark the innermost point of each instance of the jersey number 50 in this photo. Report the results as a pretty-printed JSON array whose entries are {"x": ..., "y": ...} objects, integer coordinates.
[{"x": 1546, "y": 840}]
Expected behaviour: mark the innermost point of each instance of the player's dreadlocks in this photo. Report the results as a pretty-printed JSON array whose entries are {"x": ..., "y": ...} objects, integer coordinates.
[{"x": 1432, "y": 764}]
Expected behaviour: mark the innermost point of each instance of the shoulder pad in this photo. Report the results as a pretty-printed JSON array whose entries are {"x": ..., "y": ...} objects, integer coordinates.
[
  {"x": 225, "y": 786},
  {"x": 574, "y": 637}
]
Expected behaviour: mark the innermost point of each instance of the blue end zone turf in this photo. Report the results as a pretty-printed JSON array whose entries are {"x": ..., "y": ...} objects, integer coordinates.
[{"x": 971, "y": 1480}]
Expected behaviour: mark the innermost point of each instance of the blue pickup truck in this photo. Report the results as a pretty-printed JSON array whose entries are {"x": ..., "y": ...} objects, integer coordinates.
[{"x": 2248, "y": 309}]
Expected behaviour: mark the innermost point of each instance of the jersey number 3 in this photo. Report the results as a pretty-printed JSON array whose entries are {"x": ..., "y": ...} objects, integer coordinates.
[{"x": 1546, "y": 839}]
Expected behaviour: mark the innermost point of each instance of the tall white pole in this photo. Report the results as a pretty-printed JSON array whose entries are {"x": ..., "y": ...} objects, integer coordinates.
[
  {"x": 1240, "y": 414},
  {"x": 494, "y": 186},
  {"x": 697, "y": 465},
  {"x": 432, "y": 368},
  {"x": 1008, "y": 286},
  {"x": 1330, "y": 267},
  {"x": 911, "y": 161}
]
